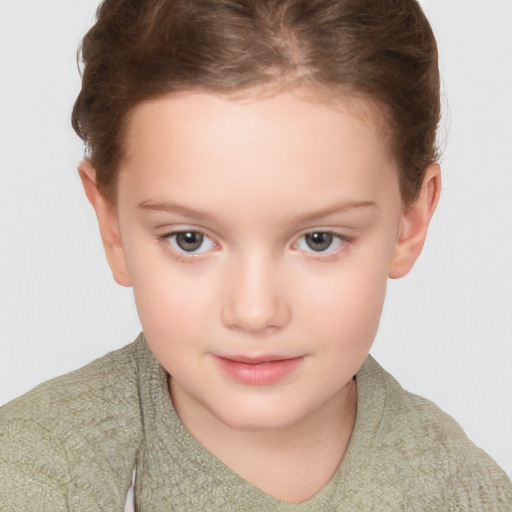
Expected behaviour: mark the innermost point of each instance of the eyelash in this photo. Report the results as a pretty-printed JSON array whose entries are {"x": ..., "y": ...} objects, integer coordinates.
[
  {"x": 328, "y": 255},
  {"x": 184, "y": 257}
]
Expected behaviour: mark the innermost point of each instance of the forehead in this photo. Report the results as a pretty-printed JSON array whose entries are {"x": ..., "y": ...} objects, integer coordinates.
[
  {"x": 265, "y": 146},
  {"x": 270, "y": 101}
]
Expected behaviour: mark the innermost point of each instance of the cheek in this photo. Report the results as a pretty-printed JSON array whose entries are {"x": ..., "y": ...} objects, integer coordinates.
[
  {"x": 346, "y": 307},
  {"x": 170, "y": 300},
  {"x": 174, "y": 318}
]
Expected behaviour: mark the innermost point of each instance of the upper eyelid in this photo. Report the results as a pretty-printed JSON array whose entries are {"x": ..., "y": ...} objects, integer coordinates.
[
  {"x": 330, "y": 231},
  {"x": 187, "y": 229}
]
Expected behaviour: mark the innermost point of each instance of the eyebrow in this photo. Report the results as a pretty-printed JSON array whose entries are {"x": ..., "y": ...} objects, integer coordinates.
[
  {"x": 341, "y": 207},
  {"x": 152, "y": 205},
  {"x": 162, "y": 206}
]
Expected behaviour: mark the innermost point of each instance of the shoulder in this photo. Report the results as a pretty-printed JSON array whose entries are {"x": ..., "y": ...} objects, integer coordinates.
[
  {"x": 423, "y": 448},
  {"x": 75, "y": 431},
  {"x": 87, "y": 396}
]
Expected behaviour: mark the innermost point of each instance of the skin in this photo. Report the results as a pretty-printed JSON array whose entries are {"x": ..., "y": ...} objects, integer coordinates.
[{"x": 255, "y": 176}]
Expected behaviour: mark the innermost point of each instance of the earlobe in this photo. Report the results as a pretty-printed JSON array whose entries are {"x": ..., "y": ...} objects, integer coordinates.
[
  {"x": 415, "y": 221},
  {"x": 108, "y": 222}
]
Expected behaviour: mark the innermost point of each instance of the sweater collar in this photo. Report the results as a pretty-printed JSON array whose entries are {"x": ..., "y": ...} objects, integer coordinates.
[{"x": 175, "y": 472}]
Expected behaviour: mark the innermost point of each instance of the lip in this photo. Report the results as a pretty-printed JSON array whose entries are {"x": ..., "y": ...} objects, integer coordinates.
[{"x": 259, "y": 370}]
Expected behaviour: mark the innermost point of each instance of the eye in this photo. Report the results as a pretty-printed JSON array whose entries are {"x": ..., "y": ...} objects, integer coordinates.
[
  {"x": 191, "y": 242},
  {"x": 320, "y": 241}
]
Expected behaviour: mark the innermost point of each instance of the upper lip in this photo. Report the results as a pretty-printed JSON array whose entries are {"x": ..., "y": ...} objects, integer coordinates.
[{"x": 267, "y": 358}]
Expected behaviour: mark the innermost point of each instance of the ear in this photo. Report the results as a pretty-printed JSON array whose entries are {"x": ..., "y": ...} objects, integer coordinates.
[
  {"x": 415, "y": 222},
  {"x": 108, "y": 222}
]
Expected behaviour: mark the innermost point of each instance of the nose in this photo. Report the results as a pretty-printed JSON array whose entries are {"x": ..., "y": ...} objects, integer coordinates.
[{"x": 255, "y": 298}]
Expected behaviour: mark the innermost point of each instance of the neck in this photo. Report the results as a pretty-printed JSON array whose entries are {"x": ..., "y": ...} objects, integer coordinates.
[{"x": 291, "y": 464}]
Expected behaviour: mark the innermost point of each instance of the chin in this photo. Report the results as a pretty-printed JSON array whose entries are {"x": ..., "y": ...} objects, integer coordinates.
[{"x": 252, "y": 419}]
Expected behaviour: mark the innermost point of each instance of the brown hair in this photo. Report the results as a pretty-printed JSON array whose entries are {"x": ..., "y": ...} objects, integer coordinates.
[{"x": 142, "y": 49}]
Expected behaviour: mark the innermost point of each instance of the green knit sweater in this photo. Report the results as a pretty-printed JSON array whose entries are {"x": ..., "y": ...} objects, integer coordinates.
[{"x": 73, "y": 443}]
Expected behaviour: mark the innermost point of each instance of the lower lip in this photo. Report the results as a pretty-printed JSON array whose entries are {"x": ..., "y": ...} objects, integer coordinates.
[{"x": 258, "y": 374}]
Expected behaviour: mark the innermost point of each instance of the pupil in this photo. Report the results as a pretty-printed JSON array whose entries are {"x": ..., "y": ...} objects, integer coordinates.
[
  {"x": 319, "y": 241},
  {"x": 189, "y": 241}
]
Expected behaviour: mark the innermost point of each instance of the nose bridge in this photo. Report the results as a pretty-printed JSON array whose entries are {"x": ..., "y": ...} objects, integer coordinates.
[{"x": 255, "y": 299}]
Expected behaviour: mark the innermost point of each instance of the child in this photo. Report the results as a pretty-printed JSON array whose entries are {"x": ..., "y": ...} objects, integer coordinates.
[{"x": 258, "y": 169}]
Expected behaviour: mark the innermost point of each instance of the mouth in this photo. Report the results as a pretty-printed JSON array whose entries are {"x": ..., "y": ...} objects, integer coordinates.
[{"x": 261, "y": 370}]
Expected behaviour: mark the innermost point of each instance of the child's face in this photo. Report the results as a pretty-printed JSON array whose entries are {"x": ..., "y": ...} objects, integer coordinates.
[{"x": 256, "y": 231}]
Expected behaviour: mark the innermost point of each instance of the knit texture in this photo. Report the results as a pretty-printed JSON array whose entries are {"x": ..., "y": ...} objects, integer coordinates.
[{"x": 73, "y": 443}]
